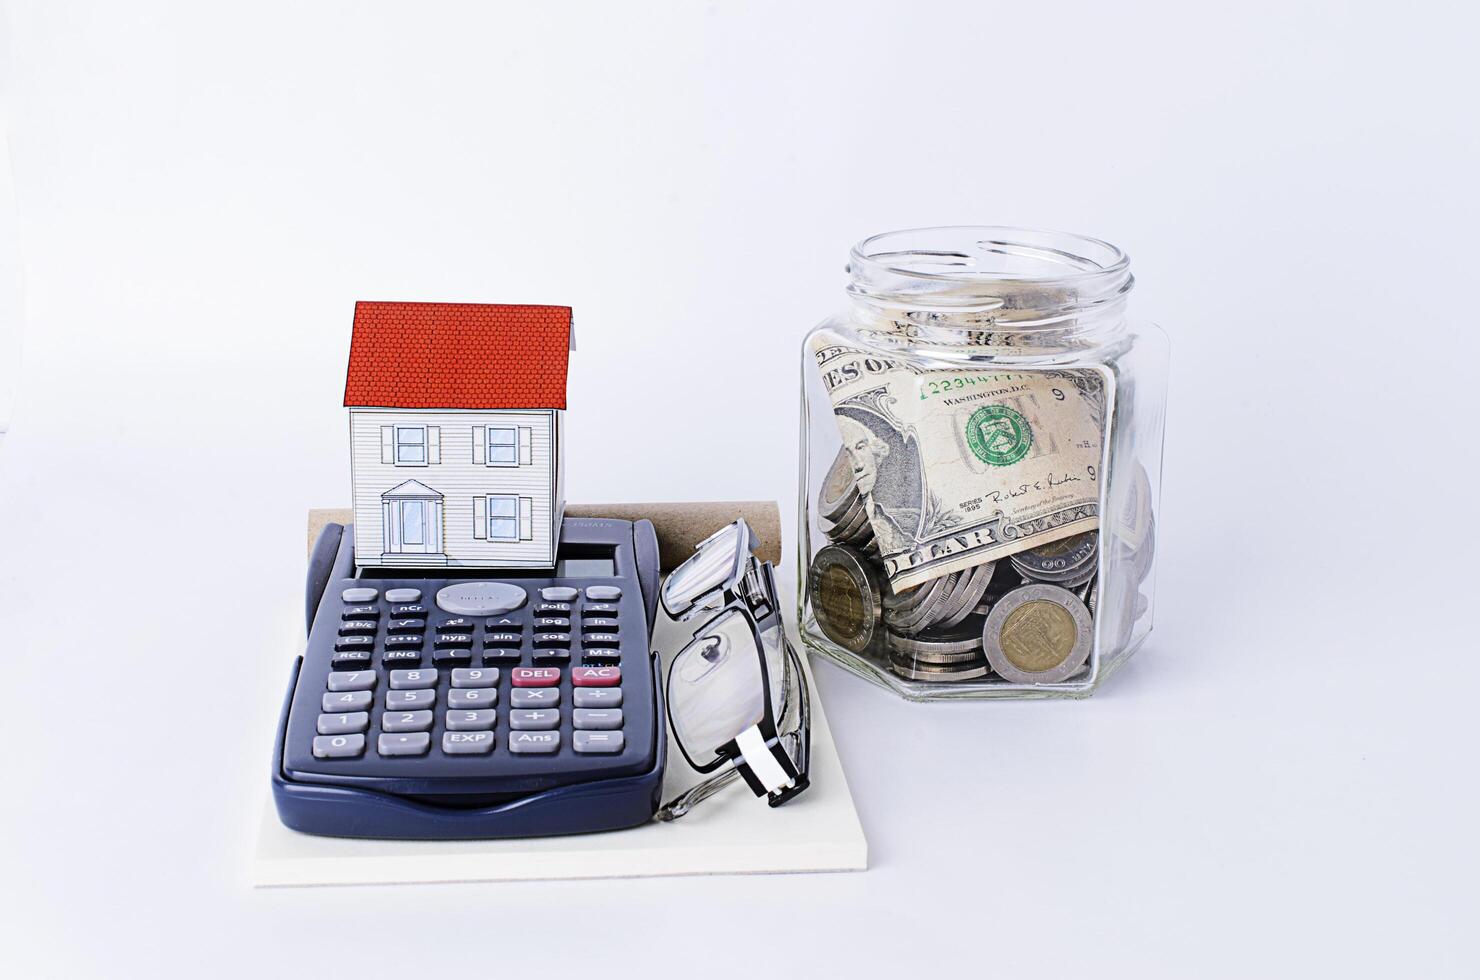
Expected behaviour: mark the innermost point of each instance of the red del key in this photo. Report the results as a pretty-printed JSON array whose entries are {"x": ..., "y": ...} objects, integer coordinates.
[
  {"x": 596, "y": 676},
  {"x": 535, "y": 676}
]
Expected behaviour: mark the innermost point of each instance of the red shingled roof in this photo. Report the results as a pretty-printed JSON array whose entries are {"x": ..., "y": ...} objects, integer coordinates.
[{"x": 458, "y": 355}]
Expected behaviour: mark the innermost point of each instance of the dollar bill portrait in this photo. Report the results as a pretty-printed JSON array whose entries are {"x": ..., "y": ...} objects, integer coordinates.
[{"x": 889, "y": 474}]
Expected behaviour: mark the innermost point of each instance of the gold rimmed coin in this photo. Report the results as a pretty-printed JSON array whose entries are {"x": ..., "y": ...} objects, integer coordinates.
[
  {"x": 1038, "y": 634},
  {"x": 845, "y": 594}
]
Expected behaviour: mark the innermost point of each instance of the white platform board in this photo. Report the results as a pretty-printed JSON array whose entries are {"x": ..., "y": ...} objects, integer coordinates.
[{"x": 732, "y": 832}]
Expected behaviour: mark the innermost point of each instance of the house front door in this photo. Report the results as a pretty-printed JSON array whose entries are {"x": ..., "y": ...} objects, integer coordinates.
[{"x": 415, "y": 526}]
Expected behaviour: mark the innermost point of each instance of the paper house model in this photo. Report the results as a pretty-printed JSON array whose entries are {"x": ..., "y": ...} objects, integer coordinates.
[{"x": 456, "y": 413}]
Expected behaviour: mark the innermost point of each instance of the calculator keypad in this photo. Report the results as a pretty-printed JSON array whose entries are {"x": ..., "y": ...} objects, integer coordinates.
[{"x": 412, "y": 678}]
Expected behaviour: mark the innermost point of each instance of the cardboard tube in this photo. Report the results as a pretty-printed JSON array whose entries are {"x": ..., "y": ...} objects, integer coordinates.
[{"x": 680, "y": 526}]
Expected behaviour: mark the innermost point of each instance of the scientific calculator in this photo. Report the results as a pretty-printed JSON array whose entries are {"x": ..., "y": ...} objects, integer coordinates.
[{"x": 496, "y": 704}]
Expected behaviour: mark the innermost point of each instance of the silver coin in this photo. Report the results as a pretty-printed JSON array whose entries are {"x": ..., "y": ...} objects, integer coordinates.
[
  {"x": 914, "y": 618},
  {"x": 1056, "y": 558},
  {"x": 910, "y": 598},
  {"x": 838, "y": 491},
  {"x": 935, "y": 675},
  {"x": 844, "y": 591},
  {"x": 1038, "y": 634},
  {"x": 934, "y": 647},
  {"x": 1069, "y": 580},
  {"x": 976, "y": 587}
]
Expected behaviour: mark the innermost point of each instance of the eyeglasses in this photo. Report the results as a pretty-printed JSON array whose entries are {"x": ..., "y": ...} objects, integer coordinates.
[{"x": 736, "y": 692}]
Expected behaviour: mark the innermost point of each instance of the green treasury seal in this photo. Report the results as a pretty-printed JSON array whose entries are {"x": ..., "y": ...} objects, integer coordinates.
[{"x": 998, "y": 435}]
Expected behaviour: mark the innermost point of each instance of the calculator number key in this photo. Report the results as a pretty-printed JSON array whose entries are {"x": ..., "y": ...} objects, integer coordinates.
[
  {"x": 351, "y": 680},
  {"x": 338, "y": 702},
  {"x": 413, "y": 680},
  {"x": 343, "y": 724},
  {"x": 409, "y": 700},
  {"x": 338, "y": 746},
  {"x": 471, "y": 721},
  {"x": 406, "y": 721},
  {"x": 474, "y": 676}
]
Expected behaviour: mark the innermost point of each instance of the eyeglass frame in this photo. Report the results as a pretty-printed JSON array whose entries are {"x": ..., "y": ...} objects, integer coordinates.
[{"x": 749, "y": 590}]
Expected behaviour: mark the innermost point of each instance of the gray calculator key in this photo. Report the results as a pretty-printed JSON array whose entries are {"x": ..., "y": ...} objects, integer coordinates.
[
  {"x": 481, "y": 598},
  {"x": 351, "y": 680},
  {"x": 467, "y": 743},
  {"x": 598, "y": 719},
  {"x": 406, "y": 721},
  {"x": 477, "y": 697},
  {"x": 603, "y": 593},
  {"x": 413, "y": 680},
  {"x": 471, "y": 721},
  {"x": 411, "y": 743},
  {"x": 402, "y": 595},
  {"x": 558, "y": 593},
  {"x": 538, "y": 720},
  {"x": 598, "y": 742},
  {"x": 356, "y": 596},
  {"x": 598, "y": 697},
  {"x": 342, "y": 701},
  {"x": 353, "y": 721},
  {"x": 521, "y": 743},
  {"x": 474, "y": 676},
  {"x": 534, "y": 697},
  {"x": 407, "y": 700},
  {"x": 338, "y": 746}
]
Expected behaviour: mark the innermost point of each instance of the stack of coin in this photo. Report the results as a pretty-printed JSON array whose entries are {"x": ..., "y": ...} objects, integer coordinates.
[
  {"x": 1069, "y": 562},
  {"x": 840, "y": 508},
  {"x": 1028, "y": 619},
  {"x": 933, "y": 632}
]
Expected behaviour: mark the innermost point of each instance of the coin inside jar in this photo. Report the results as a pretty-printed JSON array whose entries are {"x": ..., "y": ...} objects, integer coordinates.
[
  {"x": 845, "y": 595},
  {"x": 1058, "y": 558},
  {"x": 1038, "y": 634},
  {"x": 837, "y": 492}
]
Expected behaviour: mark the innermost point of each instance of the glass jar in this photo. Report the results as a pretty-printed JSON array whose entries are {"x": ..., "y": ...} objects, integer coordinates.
[{"x": 981, "y": 451}]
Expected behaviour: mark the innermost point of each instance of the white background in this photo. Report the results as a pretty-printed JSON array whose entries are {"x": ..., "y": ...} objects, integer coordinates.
[{"x": 1282, "y": 782}]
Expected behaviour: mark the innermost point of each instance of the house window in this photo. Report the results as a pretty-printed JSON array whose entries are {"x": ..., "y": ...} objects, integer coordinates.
[
  {"x": 503, "y": 445},
  {"x": 503, "y": 518},
  {"x": 411, "y": 445}
]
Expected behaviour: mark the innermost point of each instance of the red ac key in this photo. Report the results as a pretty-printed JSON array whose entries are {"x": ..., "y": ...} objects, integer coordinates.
[
  {"x": 535, "y": 676},
  {"x": 596, "y": 676}
]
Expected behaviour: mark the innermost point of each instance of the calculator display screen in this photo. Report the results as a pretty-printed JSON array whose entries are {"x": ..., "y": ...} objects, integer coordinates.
[{"x": 585, "y": 568}]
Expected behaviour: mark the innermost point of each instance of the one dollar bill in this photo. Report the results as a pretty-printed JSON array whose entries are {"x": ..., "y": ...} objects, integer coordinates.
[{"x": 961, "y": 467}]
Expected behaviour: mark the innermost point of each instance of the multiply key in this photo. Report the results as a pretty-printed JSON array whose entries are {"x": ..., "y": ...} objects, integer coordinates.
[{"x": 596, "y": 676}]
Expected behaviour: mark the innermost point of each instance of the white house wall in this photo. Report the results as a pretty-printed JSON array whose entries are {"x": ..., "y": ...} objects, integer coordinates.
[{"x": 460, "y": 480}]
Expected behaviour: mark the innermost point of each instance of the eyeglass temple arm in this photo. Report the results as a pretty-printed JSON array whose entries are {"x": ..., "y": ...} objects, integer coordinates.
[{"x": 765, "y": 765}]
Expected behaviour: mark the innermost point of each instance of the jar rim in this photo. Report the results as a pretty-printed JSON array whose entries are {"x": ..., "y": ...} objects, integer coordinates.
[{"x": 1084, "y": 257}]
